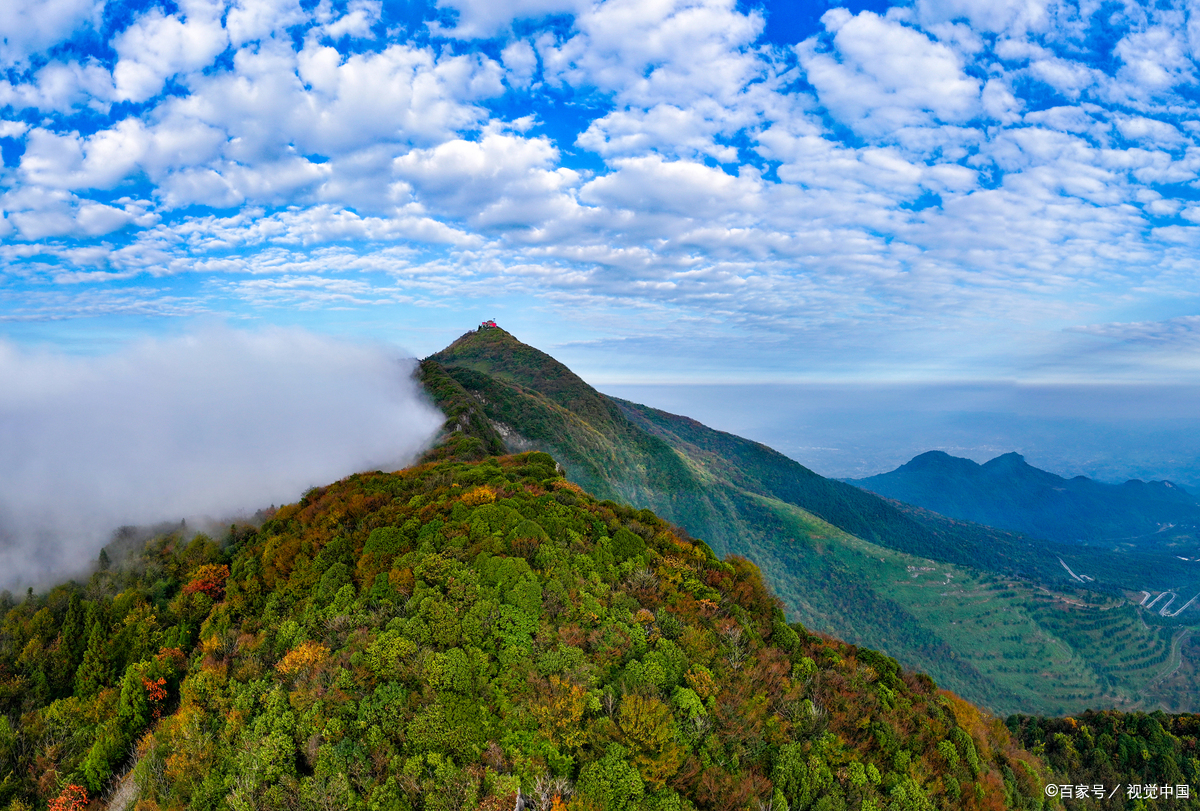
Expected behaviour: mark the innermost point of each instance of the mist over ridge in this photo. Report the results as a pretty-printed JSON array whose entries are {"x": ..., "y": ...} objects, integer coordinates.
[{"x": 213, "y": 423}]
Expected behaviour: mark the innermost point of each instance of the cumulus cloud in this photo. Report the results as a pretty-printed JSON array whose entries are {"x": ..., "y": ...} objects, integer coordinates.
[
  {"x": 501, "y": 179},
  {"x": 881, "y": 75},
  {"x": 30, "y": 26},
  {"x": 35, "y": 213},
  {"x": 992, "y": 16},
  {"x": 157, "y": 47},
  {"x": 256, "y": 20},
  {"x": 1155, "y": 60},
  {"x": 214, "y": 423},
  {"x": 654, "y": 185},
  {"x": 486, "y": 18},
  {"x": 648, "y": 53}
]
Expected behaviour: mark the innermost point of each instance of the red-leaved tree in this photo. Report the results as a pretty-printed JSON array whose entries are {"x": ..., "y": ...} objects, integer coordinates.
[
  {"x": 72, "y": 798},
  {"x": 209, "y": 579}
]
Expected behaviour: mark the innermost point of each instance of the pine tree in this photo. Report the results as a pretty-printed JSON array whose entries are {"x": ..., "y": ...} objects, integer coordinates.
[
  {"x": 92, "y": 674},
  {"x": 71, "y": 640}
]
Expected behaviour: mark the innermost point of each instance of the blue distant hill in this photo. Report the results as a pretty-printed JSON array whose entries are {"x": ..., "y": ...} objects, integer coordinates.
[{"x": 1008, "y": 493}]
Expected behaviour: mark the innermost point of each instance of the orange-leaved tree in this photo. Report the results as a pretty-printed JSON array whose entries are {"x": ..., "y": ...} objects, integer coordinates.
[
  {"x": 209, "y": 579},
  {"x": 72, "y": 798}
]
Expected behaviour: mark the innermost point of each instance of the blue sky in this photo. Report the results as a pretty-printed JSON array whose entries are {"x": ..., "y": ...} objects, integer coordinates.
[{"x": 687, "y": 190}]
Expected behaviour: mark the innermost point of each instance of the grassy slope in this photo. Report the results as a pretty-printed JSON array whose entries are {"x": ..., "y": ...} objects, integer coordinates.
[{"x": 806, "y": 532}]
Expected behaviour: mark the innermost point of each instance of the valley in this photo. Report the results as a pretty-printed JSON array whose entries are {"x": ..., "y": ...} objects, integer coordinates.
[{"x": 1018, "y": 644}]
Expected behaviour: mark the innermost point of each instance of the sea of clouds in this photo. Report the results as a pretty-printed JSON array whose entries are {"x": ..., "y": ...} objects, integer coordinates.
[{"x": 210, "y": 425}]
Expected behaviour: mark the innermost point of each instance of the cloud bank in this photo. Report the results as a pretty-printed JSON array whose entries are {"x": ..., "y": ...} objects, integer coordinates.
[{"x": 212, "y": 424}]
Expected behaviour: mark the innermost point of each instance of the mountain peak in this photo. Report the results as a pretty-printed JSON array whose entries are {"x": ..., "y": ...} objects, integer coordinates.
[
  {"x": 938, "y": 461},
  {"x": 494, "y": 351},
  {"x": 486, "y": 337}
]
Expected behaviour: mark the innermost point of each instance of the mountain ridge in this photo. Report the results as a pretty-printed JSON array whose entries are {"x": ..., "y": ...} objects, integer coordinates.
[
  {"x": 1009, "y": 493},
  {"x": 804, "y": 532}
]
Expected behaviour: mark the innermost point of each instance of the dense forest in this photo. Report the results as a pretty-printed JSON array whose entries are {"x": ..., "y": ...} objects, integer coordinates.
[
  {"x": 1142, "y": 759},
  {"x": 451, "y": 636}
]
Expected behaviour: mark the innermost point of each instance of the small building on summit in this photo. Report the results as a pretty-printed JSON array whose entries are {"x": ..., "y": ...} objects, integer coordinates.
[{"x": 488, "y": 323}]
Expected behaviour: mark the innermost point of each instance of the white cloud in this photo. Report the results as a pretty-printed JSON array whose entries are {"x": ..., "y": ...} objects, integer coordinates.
[
  {"x": 156, "y": 47},
  {"x": 881, "y": 75},
  {"x": 500, "y": 180},
  {"x": 672, "y": 51},
  {"x": 360, "y": 17},
  {"x": 999, "y": 102},
  {"x": 326, "y": 104},
  {"x": 30, "y": 26},
  {"x": 243, "y": 136},
  {"x": 487, "y": 18},
  {"x": 664, "y": 127},
  {"x": 152, "y": 433},
  {"x": 1156, "y": 60},
  {"x": 61, "y": 87},
  {"x": 253, "y": 20},
  {"x": 37, "y": 213},
  {"x": 993, "y": 16},
  {"x": 1077, "y": 120},
  {"x": 1065, "y": 75},
  {"x": 99, "y": 161},
  {"x": 1152, "y": 132},
  {"x": 520, "y": 62},
  {"x": 653, "y": 185}
]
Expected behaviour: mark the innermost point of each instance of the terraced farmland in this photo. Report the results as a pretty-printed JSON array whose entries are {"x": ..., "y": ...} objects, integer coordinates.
[{"x": 1034, "y": 650}]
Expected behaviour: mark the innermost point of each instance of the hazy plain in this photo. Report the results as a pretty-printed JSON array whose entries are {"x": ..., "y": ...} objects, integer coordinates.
[{"x": 1107, "y": 432}]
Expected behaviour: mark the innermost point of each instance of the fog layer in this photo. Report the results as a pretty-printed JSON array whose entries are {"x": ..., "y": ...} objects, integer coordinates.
[{"x": 211, "y": 424}]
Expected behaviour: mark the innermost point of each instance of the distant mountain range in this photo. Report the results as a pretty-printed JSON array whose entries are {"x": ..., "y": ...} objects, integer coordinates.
[
  {"x": 1001, "y": 618},
  {"x": 1011, "y": 494}
]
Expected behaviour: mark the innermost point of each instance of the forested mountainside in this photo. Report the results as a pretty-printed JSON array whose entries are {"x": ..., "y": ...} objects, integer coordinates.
[
  {"x": 1012, "y": 623},
  {"x": 1009, "y": 493},
  {"x": 1142, "y": 760},
  {"x": 456, "y": 634}
]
